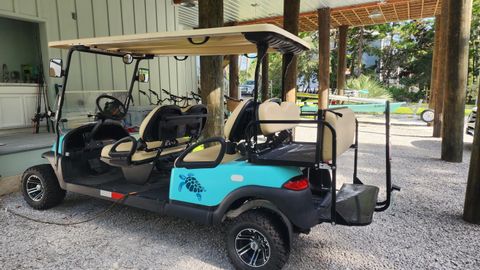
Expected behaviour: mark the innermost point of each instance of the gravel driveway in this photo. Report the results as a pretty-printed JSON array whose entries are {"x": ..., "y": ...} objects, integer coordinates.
[{"x": 422, "y": 230}]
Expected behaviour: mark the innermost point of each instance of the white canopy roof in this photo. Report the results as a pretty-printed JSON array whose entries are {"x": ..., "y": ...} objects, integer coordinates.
[{"x": 219, "y": 41}]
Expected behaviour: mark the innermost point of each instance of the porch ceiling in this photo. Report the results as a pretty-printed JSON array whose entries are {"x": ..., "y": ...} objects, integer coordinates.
[{"x": 345, "y": 12}]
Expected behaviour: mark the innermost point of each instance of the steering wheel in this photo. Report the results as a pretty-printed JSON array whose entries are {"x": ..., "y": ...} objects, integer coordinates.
[{"x": 112, "y": 108}]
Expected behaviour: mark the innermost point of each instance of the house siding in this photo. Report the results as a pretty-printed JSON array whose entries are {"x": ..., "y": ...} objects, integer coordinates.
[{"x": 71, "y": 19}]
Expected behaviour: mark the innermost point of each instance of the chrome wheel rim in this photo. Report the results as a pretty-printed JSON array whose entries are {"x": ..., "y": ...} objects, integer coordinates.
[
  {"x": 428, "y": 116},
  {"x": 34, "y": 188},
  {"x": 252, "y": 247}
]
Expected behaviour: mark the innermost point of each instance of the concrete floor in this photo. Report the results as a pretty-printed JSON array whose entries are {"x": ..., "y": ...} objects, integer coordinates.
[
  {"x": 423, "y": 228},
  {"x": 24, "y": 141}
]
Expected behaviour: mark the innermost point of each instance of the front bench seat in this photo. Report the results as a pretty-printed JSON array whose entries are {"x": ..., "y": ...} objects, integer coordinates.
[
  {"x": 149, "y": 137},
  {"x": 234, "y": 132}
]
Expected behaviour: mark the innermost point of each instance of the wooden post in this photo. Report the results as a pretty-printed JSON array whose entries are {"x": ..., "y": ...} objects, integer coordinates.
[
  {"x": 233, "y": 76},
  {"x": 471, "y": 212},
  {"x": 291, "y": 12},
  {"x": 265, "y": 84},
  {"x": 359, "y": 68},
  {"x": 459, "y": 23},
  {"x": 435, "y": 79},
  {"x": 442, "y": 69},
  {"x": 323, "y": 57},
  {"x": 210, "y": 14},
  {"x": 342, "y": 58}
]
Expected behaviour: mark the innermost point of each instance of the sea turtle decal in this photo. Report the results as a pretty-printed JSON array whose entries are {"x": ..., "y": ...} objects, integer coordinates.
[{"x": 192, "y": 184}]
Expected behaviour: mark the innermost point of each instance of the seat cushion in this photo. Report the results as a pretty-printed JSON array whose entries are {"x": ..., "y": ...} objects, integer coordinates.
[
  {"x": 140, "y": 155},
  {"x": 210, "y": 154},
  {"x": 274, "y": 111},
  {"x": 345, "y": 129}
]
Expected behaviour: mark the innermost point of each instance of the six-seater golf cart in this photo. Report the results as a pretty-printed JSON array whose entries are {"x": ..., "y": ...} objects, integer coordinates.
[{"x": 266, "y": 185}]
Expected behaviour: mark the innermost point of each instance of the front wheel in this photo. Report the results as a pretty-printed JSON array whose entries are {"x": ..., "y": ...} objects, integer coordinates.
[
  {"x": 40, "y": 187},
  {"x": 255, "y": 240}
]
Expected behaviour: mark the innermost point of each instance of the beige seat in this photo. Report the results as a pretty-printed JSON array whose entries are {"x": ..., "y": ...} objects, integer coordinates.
[
  {"x": 343, "y": 125},
  {"x": 152, "y": 134},
  {"x": 233, "y": 132},
  {"x": 345, "y": 130},
  {"x": 147, "y": 134},
  {"x": 141, "y": 155},
  {"x": 269, "y": 110}
]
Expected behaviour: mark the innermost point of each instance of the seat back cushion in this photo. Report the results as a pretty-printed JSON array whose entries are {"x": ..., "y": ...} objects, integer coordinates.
[
  {"x": 195, "y": 125},
  {"x": 238, "y": 121},
  {"x": 153, "y": 128},
  {"x": 210, "y": 154},
  {"x": 274, "y": 111},
  {"x": 345, "y": 129}
]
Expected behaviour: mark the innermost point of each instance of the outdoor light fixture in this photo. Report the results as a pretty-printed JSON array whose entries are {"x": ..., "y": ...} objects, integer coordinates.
[
  {"x": 375, "y": 14},
  {"x": 186, "y": 3}
]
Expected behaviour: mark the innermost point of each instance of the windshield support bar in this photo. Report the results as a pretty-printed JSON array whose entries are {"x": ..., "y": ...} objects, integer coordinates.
[
  {"x": 132, "y": 84},
  {"x": 58, "y": 114}
]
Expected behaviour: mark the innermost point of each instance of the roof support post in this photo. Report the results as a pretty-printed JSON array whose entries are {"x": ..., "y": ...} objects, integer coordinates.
[
  {"x": 471, "y": 211},
  {"x": 442, "y": 69},
  {"x": 435, "y": 78},
  {"x": 323, "y": 57},
  {"x": 291, "y": 12},
  {"x": 210, "y": 14},
  {"x": 233, "y": 76},
  {"x": 458, "y": 33},
  {"x": 265, "y": 84},
  {"x": 342, "y": 58}
]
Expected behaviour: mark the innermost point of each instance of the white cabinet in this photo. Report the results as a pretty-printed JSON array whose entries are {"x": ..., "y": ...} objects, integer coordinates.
[{"x": 17, "y": 105}]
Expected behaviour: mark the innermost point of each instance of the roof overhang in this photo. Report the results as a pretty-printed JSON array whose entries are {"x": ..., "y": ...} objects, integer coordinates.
[
  {"x": 211, "y": 41},
  {"x": 345, "y": 12},
  {"x": 365, "y": 14}
]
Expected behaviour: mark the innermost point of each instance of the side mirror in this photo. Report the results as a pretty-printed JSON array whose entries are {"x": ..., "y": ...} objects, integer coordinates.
[
  {"x": 55, "y": 69},
  {"x": 143, "y": 75}
]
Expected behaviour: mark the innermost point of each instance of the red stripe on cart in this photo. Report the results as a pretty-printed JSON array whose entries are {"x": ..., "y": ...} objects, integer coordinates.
[{"x": 112, "y": 195}]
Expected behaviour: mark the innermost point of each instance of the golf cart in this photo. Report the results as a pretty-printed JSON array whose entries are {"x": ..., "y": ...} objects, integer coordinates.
[
  {"x": 471, "y": 120},
  {"x": 256, "y": 178}
]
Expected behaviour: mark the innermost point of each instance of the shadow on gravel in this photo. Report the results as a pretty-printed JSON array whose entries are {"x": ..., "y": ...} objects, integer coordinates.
[
  {"x": 396, "y": 134},
  {"x": 427, "y": 144}
]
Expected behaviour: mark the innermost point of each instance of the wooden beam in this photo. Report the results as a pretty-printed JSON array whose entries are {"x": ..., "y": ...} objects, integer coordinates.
[
  {"x": 342, "y": 58},
  {"x": 442, "y": 63},
  {"x": 459, "y": 24},
  {"x": 265, "y": 79},
  {"x": 434, "y": 83},
  {"x": 291, "y": 13},
  {"x": 233, "y": 76},
  {"x": 210, "y": 13},
  {"x": 471, "y": 211},
  {"x": 323, "y": 57}
]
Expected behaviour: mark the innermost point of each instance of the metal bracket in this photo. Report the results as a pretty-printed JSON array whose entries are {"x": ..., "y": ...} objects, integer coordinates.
[
  {"x": 198, "y": 43},
  {"x": 181, "y": 59}
]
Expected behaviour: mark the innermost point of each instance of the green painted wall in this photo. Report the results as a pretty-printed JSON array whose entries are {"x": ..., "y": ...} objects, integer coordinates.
[
  {"x": 71, "y": 19},
  {"x": 19, "y": 44}
]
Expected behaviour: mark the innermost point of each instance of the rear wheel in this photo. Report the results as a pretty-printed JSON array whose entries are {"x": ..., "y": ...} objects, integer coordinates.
[
  {"x": 255, "y": 240},
  {"x": 40, "y": 187}
]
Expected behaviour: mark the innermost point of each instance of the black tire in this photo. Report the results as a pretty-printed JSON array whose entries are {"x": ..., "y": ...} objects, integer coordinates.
[
  {"x": 270, "y": 229},
  {"x": 427, "y": 116},
  {"x": 43, "y": 179}
]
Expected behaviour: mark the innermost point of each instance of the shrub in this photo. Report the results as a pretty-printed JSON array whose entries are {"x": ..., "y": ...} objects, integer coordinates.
[
  {"x": 402, "y": 94},
  {"x": 375, "y": 88}
]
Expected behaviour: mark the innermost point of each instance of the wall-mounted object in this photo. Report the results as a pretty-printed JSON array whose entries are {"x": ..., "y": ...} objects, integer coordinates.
[{"x": 5, "y": 74}]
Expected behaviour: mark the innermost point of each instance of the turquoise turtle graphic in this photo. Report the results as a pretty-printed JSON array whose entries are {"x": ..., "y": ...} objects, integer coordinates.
[{"x": 192, "y": 184}]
